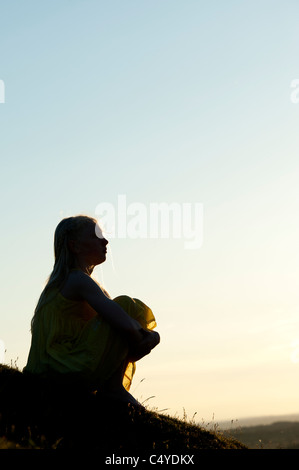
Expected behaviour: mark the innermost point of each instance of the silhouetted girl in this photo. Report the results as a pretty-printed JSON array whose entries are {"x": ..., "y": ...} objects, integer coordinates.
[{"x": 79, "y": 334}]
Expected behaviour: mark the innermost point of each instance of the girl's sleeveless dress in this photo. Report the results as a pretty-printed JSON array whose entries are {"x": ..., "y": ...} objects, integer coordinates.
[{"x": 71, "y": 343}]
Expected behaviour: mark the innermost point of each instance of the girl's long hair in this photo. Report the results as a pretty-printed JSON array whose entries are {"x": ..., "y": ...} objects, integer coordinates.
[{"x": 66, "y": 230}]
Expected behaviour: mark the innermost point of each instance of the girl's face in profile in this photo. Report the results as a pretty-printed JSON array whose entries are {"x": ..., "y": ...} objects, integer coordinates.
[{"x": 91, "y": 245}]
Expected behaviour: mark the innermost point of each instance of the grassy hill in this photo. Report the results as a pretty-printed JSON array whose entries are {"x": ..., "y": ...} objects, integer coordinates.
[{"x": 35, "y": 417}]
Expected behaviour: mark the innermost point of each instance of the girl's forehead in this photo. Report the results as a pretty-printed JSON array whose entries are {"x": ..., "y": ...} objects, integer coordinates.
[
  {"x": 91, "y": 229},
  {"x": 87, "y": 229}
]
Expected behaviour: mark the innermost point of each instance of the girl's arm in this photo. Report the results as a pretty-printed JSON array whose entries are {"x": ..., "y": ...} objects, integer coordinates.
[{"x": 87, "y": 289}]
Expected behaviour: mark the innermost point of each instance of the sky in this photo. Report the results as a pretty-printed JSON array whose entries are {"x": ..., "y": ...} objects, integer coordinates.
[{"x": 126, "y": 105}]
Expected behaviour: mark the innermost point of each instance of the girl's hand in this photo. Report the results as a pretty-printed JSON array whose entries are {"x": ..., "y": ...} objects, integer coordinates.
[{"x": 149, "y": 341}]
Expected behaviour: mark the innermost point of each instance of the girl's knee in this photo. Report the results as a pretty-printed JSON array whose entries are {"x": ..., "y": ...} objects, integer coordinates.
[
  {"x": 123, "y": 298},
  {"x": 134, "y": 308},
  {"x": 126, "y": 302}
]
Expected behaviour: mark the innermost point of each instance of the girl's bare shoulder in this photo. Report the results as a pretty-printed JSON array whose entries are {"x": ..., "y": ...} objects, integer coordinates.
[{"x": 74, "y": 284}]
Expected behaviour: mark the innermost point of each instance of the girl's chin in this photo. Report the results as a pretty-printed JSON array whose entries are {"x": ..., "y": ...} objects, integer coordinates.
[{"x": 99, "y": 260}]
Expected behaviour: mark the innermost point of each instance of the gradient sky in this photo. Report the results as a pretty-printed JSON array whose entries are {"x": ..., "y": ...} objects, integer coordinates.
[{"x": 173, "y": 101}]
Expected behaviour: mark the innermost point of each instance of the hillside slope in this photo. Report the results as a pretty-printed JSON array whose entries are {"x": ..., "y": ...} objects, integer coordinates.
[{"x": 46, "y": 418}]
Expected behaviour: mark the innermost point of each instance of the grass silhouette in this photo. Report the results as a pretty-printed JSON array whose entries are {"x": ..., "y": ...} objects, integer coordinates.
[{"x": 35, "y": 416}]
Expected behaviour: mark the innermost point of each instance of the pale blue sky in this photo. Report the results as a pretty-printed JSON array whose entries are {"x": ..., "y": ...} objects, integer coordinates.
[{"x": 173, "y": 101}]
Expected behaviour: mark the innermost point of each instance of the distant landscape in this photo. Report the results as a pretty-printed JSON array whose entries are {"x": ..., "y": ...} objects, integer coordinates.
[
  {"x": 257, "y": 420},
  {"x": 269, "y": 432}
]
